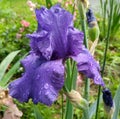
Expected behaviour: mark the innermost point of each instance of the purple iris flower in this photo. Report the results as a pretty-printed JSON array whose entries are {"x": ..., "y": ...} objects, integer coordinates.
[{"x": 55, "y": 40}]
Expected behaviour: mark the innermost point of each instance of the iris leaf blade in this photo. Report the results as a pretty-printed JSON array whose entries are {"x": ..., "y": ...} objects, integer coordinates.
[
  {"x": 10, "y": 73},
  {"x": 5, "y": 63},
  {"x": 117, "y": 103},
  {"x": 37, "y": 113}
]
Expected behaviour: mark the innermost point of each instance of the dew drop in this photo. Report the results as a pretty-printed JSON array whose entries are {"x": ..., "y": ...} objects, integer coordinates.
[
  {"x": 56, "y": 10},
  {"x": 47, "y": 93},
  {"x": 53, "y": 81},
  {"x": 46, "y": 86},
  {"x": 38, "y": 76}
]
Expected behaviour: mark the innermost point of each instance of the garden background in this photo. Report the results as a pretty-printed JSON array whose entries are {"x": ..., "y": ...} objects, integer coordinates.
[{"x": 17, "y": 19}]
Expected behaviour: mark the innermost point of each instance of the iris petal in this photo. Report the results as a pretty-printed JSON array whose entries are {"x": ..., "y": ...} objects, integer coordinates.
[
  {"x": 88, "y": 66},
  {"x": 40, "y": 43},
  {"x": 50, "y": 39},
  {"x": 75, "y": 39},
  {"x": 41, "y": 81}
]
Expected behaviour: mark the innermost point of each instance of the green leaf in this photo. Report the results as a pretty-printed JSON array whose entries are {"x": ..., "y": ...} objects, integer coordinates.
[
  {"x": 117, "y": 103},
  {"x": 37, "y": 113},
  {"x": 10, "y": 73},
  {"x": 5, "y": 63},
  {"x": 69, "y": 86},
  {"x": 92, "y": 108},
  {"x": 48, "y": 3}
]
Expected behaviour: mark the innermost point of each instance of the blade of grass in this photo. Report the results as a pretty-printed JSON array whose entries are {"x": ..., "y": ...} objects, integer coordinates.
[
  {"x": 5, "y": 63},
  {"x": 37, "y": 112},
  {"x": 10, "y": 73}
]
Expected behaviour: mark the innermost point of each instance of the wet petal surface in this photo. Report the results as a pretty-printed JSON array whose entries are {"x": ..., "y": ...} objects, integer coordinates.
[
  {"x": 88, "y": 66},
  {"x": 41, "y": 81}
]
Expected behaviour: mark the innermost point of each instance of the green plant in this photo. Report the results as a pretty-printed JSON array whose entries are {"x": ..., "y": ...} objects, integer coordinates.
[
  {"x": 106, "y": 13},
  {"x": 5, "y": 72}
]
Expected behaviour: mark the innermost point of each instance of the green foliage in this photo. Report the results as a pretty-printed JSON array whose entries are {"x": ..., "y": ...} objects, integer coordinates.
[
  {"x": 37, "y": 112},
  {"x": 10, "y": 24},
  {"x": 48, "y": 3},
  {"x": 6, "y": 62},
  {"x": 117, "y": 103},
  {"x": 115, "y": 26}
]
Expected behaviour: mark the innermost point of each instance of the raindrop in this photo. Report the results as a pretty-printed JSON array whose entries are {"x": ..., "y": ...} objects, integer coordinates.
[
  {"x": 38, "y": 76},
  {"x": 53, "y": 81},
  {"x": 56, "y": 10},
  {"x": 46, "y": 86},
  {"x": 47, "y": 93},
  {"x": 39, "y": 92}
]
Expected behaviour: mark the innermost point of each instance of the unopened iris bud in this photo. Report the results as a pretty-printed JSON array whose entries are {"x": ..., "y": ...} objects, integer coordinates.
[
  {"x": 108, "y": 102},
  {"x": 77, "y": 100},
  {"x": 93, "y": 30},
  {"x": 90, "y": 16}
]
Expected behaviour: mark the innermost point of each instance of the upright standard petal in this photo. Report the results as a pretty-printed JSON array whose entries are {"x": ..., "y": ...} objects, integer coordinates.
[
  {"x": 52, "y": 32},
  {"x": 88, "y": 66},
  {"x": 41, "y": 81}
]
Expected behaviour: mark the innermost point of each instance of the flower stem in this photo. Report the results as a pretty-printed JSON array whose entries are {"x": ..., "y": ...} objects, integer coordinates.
[
  {"x": 62, "y": 106},
  {"x": 86, "y": 113},
  {"x": 87, "y": 82},
  {"x": 105, "y": 54},
  {"x": 83, "y": 23}
]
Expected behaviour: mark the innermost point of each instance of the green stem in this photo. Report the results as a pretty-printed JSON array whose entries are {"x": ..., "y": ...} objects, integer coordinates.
[
  {"x": 105, "y": 54},
  {"x": 87, "y": 82},
  {"x": 70, "y": 83},
  {"x": 85, "y": 33},
  {"x": 83, "y": 22},
  {"x": 87, "y": 88},
  {"x": 86, "y": 114},
  {"x": 62, "y": 106},
  {"x": 72, "y": 75},
  {"x": 104, "y": 18},
  {"x": 69, "y": 109}
]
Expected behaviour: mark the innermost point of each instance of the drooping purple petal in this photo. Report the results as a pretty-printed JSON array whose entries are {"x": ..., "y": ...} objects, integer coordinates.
[
  {"x": 54, "y": 24},
  {"x": 41, "y": 81},
  {"x": 88, "y": 66}
]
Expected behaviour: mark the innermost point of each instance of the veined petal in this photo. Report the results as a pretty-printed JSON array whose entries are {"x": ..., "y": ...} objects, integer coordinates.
[
  {"x": 40, "y": 43},
  {"x": 49, "y": 80},
  {"x": 75, "y": 39},
  {"x": 88, "y": 66},
  {"x": 55, "y": 22},
  {"x": 41, "y": 81}
]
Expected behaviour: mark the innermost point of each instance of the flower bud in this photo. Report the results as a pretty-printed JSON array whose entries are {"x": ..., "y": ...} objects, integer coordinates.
[
  {"x": 77, "y": 100},
  {"x": 108, "y": 102},
  {"x": 93, "y": 30}
]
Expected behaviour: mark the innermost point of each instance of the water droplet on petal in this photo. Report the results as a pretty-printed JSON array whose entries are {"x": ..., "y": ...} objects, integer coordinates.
[
  {"x": 47, "y": 93},
  {"x": 46, "y": 86},
  {"x": 56, "y": 10}
]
